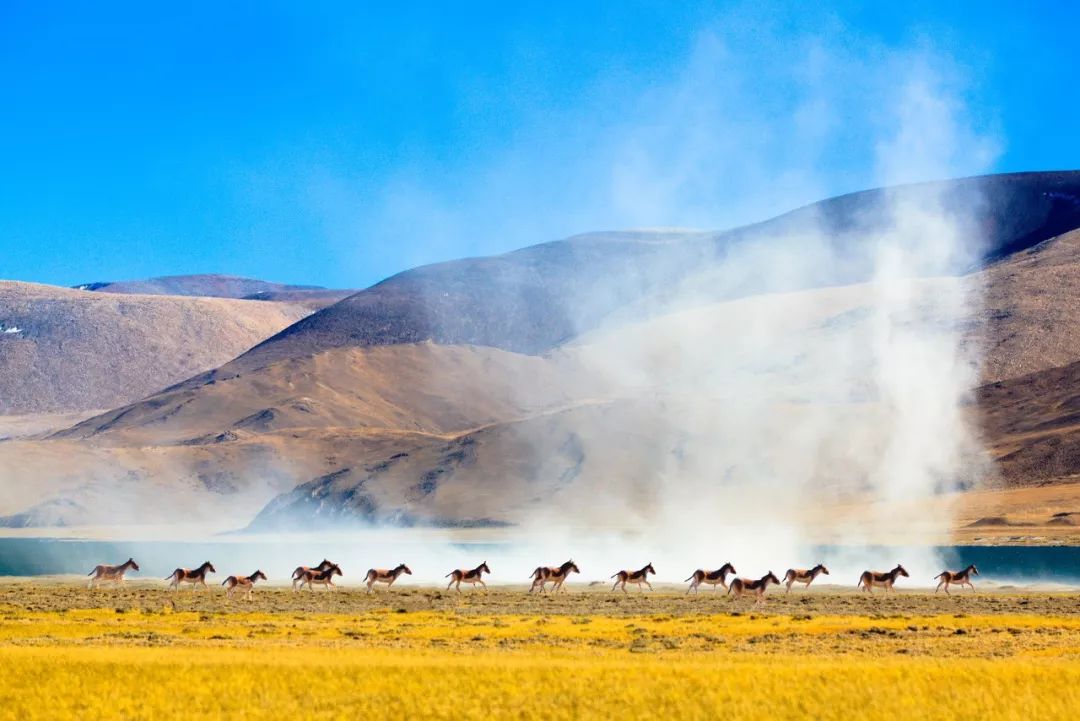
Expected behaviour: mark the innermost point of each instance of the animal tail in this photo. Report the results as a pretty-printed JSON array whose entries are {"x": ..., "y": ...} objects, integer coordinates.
[
  {"x": 170, "y": 575},
  {"x": 92, "y": 572},
  {"x": 790, "y": 572},
  {"x": 535, "y": 573},
  {"x": 940, "y": 575},
  {"x": 615, "y": 574},
  {"x": 691, "y": 577},
  {"x": 449, "y": 575}
]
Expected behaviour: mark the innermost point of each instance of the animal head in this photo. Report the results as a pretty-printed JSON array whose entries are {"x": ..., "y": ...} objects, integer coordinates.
[
  {"x": 649, "y": 569},
  {"x": 483, "y": 568},
  {"x": 974, "y": 571},
  {"x": 405, "y": 569},
  {"x": 131, "y": 562},
  {"x": 570, "y": 567},
  {"x": 770, "y": 577},
  {"x": 209, "y": 567},
  {"x": 823, "y": 569},
  {"x": 726, "y": 569},
  {"x": 258, "y": 575},
  {"x": 901, "y": 570},
  {"x": 325, "y": 565},
  {"x": 335, "y": 570}
]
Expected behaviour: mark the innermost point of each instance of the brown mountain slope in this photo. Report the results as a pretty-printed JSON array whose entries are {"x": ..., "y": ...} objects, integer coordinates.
[{"x": 64, "y": 350}]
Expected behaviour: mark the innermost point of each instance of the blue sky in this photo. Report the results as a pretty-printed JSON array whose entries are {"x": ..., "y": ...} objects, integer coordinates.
[{"x": 341, "y": 144}]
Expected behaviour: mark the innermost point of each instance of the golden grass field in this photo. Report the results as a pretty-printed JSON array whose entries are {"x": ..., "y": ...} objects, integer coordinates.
[{"x": 142, "y": 653}]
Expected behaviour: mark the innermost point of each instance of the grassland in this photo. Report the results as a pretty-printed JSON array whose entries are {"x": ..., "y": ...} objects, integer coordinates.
[{"x": 141, "y": 653}]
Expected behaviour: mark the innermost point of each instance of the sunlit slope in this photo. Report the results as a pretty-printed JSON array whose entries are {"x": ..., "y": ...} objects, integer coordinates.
[{"x": 65, "y": 350}]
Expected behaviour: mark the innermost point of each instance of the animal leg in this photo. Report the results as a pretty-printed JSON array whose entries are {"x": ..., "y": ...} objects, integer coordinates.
[{"x": 649, "y": 585}]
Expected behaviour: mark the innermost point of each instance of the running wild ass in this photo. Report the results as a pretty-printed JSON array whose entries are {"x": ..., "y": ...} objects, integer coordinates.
[
  {"x": 960, "y": 578},
  {"x": 804, "y": 576},
  {"x": 244, "y": 583},
  {"x": 869, "y": 579},
  {"x": 545, "y": 574},
  {"x": 739, "y": 586},
  {"x": 637, "y": 577},
  {"x": 713, "y": 578},
  {"x": 324, "y": 578},
  {"x": 473, "y": 576},
  {"x": 194, "y": 577},
  {"x": 387, "y": 576},
  {"x": 102, "y": 573},
  {"x": 325, "y": 565}
]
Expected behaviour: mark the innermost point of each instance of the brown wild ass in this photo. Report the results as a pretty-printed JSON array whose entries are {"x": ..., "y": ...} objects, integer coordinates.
[
  {"x": 639, "y": 577},
  {"x": 300, "y": 570},
  {"x": 473, "y": 576},
  {"x": 382, "y": 575},
  {"x": 195, "y": 578},
  {"x": 739, "y": 586},
  {"x": 960, "y": 578},
  {"x": 323, "y": 578},
  {"x": 245, "y": 583},
  {"x": 111, "y": 573},
  {"x": 544, "y": 574},
  {"x": 869, "y": 579},
  {"x": 801, "y": 575},
  {"x": 713, "y": 578}
]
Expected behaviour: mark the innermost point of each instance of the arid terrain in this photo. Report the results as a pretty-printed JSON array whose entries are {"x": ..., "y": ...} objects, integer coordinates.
[{"x": 473, "y": 392}]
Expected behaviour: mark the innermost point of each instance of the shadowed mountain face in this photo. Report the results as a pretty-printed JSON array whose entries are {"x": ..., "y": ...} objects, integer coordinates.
[{"x": 533, "y": 299}]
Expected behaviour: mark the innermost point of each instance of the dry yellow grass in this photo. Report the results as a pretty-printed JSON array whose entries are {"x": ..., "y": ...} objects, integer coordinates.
[{"x": 156, "y": 662}]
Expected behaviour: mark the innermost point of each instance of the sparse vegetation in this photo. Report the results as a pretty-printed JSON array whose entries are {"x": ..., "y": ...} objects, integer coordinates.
[{"x": 67, "y": 652}]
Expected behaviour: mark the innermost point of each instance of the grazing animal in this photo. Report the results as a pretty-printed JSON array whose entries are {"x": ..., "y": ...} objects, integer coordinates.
[
  {"x": 300, "y": 570},
  {"x": 382, "y": 575},
  {"x": 195, "y": 578},
  {"x": 111, "y": 573},
  {"x": 323, "y": 578},
  {"x": 960, "y": 578},
  {"x": 713, "y": 578},
  {"x": 801, "y": 575},
  {"x": 473, "y": 576},
  {"x": 639, "y": 577},
  {"x": 544, "y": 574},
  {"x": 245, "y": 583},
  {"x": 869, "y": 579},
  {"x": 739, "y": 586}
]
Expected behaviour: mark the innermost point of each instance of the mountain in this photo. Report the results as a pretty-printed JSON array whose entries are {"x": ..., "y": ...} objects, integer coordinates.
[
  {"x": 212, "y": 285},
  {"x": 64, "y": 350},
  {"x": 482, "y": 390}
]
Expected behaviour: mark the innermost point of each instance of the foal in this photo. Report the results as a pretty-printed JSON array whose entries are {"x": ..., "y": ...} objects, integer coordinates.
[
  {"x": 324, "y": 578},
  {"x": 543, "y": 574},
  {"x": 713, "y": 578},
  {"x": 639, "y": 577},
  {"x": 111, "y": 573},
  {"x": 473, "y": 576},
  {"x": 382, "y": 575},
  {"x": 246, "y": 583},
  {"x": 960, "y": 578},
  {"x": 196, "y": 577},
  {"x": 741, "y": 585},
  {"x": 869, "y": 579},
  {"x": 801, "y": 575}
]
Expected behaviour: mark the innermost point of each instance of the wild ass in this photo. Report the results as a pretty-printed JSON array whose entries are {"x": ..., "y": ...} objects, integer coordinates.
[
  {"x": 801, "y": 575},
  {"x": 869, "y": 579},
  {"x": 473, "y": 576},
  {"x": 300, "y": 570},
  {"x": 713, "y": 578},
  {"x": 111, "y": 573},
  {"x": 960, "y": 578},
  {"x": 195, "y": 577},
  {"x": 382, "y": 575},
  {"x": 323, "y": 578},
  {"x": 544, "y": 574},
  {"x": 739, "y": 586},
  {"x": 638, "y": 577},
  {"x": 245, "y": 583}
]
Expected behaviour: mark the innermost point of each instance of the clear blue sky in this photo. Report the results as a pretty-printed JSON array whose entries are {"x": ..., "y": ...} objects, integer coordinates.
[{"x": 338, "y": 145}]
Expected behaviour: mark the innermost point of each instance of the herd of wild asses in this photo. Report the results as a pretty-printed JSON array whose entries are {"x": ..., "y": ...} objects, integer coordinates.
[{"x": 323, "y": 575}]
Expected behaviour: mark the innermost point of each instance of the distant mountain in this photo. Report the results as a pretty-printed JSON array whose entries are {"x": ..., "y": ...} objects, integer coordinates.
[
  {"x": 463, "y": 392},
  {"x": 212, "y": 285},
  {"x": 66, "y": 350},
  {"x": 533, "y": 299}
]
